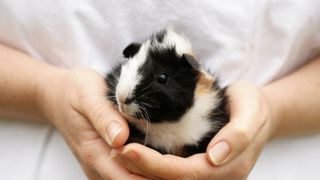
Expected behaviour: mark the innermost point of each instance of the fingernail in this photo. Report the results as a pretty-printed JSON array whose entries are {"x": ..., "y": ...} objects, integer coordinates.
[
  {"x": 113, "y": 130},
  {"x": 219, "y": 152},
  {"x": 130, "y": 154}
]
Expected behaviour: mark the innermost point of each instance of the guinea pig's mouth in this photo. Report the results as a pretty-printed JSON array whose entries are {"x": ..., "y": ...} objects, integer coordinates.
[
  {"x": 136, "y": 119},
  {"x": 131, "y": 112},
  {"x": 132, "y": 117}
]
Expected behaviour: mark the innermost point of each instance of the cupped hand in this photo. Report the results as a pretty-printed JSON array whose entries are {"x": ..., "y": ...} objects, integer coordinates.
[
  {"x": 75, "y": 102},
  {"x": 230, "y": 155}
]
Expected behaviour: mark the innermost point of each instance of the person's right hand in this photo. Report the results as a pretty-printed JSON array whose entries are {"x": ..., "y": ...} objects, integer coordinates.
[{"x": 75, "y": 102}]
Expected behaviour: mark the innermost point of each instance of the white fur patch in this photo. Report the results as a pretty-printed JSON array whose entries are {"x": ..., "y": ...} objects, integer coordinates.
[
  {"x": 188, "y": 130},
  {"x": 173, "y": 39},
  {"x": 182, "y": 44},
  {"x": 130, "y": 77}
]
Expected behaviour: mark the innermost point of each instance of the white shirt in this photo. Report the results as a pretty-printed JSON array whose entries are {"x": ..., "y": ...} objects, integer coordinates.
[
  {"x": 254, "y": 40},
  {"x": 258, "y": 41}
]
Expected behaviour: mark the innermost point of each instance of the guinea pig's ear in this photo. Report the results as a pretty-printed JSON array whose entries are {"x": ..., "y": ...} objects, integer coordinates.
[
  {"x": 189, "y": 60},
  {"x": 131, "y": 50}
]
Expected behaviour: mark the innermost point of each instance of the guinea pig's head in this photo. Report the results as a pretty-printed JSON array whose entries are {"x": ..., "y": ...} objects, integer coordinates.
[{"x": 158, "y": 80}]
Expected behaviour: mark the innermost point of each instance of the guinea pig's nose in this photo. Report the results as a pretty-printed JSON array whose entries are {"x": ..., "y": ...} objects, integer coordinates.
[{"x": 129, "y": 100}]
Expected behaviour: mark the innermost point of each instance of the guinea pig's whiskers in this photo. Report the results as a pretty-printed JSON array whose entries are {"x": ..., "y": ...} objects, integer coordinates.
[
  {"x": 146, "y": 87},
  {"x": 145, "y": 115},
  {"x": 112, "y": 98},
  {"x": 147, "y": 104},
  {"x": 111, "y": 86},
  {"x": 116, "y": 76},
  {"x": 143, "y": 90}
]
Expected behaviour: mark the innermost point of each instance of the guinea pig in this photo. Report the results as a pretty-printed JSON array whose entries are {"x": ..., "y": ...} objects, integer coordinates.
[{"x": 171, "y": 103}]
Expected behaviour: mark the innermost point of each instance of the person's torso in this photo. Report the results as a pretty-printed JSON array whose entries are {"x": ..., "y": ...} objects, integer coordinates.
[{"x": 253, "y": 40}]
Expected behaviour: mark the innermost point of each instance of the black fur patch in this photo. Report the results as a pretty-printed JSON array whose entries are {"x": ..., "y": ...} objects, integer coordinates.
[
  {"x": 136, "y": 135},
  {"x": 169, "y": 101},
  {"x": 131, "y": 50},
  {"x": 159, "y": 36},
  {"x": 112, "y": 81}
]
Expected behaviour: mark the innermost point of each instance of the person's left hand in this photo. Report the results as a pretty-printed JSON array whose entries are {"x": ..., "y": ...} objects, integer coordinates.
[{"x": 251, "y": 125}]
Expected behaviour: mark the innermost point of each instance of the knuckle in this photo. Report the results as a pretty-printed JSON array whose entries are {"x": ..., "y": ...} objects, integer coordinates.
[
  {"x": 87, "y": 156},
  {"x": 195, "y": 172},
  {"x": 93, "y": 175},
  {"x": 97, "y": 115},
  {"x": 244, "y": 135},
  {"x": 99, "y": 165},
  {"x": 90, "y": 159},
  {"x": 190, "y": 173},
  {"x": 154, "y": 169},
  {"x": 243, "y": 171},
  {"x": 103, "y": 177}
]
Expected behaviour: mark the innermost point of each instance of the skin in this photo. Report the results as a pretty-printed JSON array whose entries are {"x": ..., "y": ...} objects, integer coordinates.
[{"x": 74, "y": 101}]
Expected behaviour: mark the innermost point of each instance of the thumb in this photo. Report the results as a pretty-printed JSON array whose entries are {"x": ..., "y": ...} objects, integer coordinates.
[
  {"x": 93, "y": 104},
  {"x": 228, "y": 143},
  {"x": 109, "y": 123},
  {"x": 246, "y": 119}
]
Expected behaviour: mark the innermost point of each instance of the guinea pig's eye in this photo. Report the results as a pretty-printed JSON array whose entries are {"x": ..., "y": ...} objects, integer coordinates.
[{"x": 162, "y": 78}]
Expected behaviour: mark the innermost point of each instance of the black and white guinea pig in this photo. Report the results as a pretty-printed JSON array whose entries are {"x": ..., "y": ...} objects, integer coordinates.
[{"x": 172, "y": 105}]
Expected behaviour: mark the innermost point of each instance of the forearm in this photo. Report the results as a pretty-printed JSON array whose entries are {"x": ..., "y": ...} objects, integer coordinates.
[
  {"x": 22, "y": 82},
  {"x": 295, "y": 101}
]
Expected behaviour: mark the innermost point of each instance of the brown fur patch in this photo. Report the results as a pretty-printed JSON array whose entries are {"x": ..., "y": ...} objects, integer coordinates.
[{"x": 204, "y": 84}]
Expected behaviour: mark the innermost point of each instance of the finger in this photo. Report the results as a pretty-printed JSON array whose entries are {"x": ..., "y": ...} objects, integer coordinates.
[
  {"x": 153, "y": 163},
  {"x": 245, "y": 122},
  {"x": 241, "y": 165},
  {"x": 96, "y": 156},
  {"x": 90, "y": 173},
  {"x": 133, "y": 168},
  {"x": 106, "y": 119}
]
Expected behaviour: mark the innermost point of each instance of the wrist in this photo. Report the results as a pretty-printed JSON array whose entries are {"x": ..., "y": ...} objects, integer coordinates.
[
  {"x": 277, "y": 110},
  {"x": 49, "y": 91}
]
